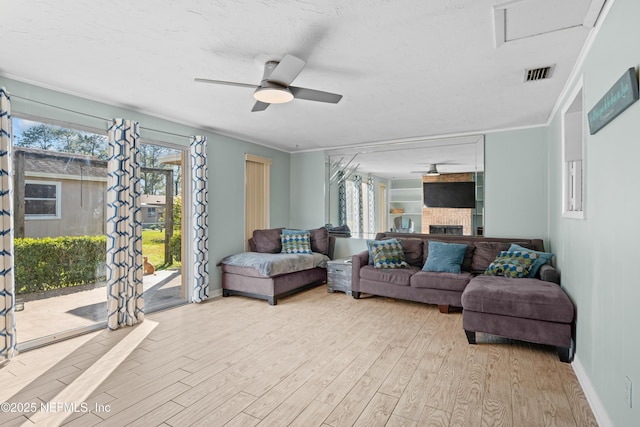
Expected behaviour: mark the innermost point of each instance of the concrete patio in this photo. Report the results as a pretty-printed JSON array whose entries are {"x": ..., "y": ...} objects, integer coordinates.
[{"x": 54, "y": 312}]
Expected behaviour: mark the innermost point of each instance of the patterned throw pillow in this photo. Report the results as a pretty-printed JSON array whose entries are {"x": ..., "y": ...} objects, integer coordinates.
[
  {"x": 513, "y": 264},
  {"x": 543, "y": 258},
  {"x": 373, "y": 244},
  {"x": 298, "y": 242},
  {"x": 389, "y": 255}
]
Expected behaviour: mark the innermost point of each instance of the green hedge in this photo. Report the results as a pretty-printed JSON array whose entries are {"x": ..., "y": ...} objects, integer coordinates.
[
  {"x": 175, "y": 245},
  {"x": 58, "y": 262}
]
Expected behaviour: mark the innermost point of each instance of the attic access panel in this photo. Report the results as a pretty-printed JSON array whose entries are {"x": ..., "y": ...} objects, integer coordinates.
[{"x": 522, "y": 19}]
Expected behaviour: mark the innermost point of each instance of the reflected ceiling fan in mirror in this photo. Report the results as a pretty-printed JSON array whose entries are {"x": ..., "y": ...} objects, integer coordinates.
[
  {"x": 275, "y": 87},
  {"x": 433, "y": 168}
]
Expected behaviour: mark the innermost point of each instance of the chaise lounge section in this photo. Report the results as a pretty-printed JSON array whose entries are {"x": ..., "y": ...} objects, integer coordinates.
[{"x": 266, "y": 273}]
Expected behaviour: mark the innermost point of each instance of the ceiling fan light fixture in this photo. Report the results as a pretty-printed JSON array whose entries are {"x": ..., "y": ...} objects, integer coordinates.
[
  {"x": 433, "y": 171},
  {"x": 273, "y": 95}
]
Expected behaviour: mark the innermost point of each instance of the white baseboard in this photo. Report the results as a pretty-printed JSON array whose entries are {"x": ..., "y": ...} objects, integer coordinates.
[
  {"x": 592, "y": 397},
  {"x": 214, "y": 293}
]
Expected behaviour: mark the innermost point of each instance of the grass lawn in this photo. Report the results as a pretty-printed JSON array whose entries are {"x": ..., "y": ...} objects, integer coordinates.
[{"x": 153, "y": 247}]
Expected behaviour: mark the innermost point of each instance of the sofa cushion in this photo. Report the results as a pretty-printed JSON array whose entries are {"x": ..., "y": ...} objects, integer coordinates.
[
  {"x": 412, "y": 249},
  {"x": 398, "y": 276},
  {"x": 389, "y": 255},
  {"x": 296, "y": 242},
  {"x": 437, "y": 280},
  {"x": 513, "y": 264},
  {"x": 445, "y": 257},
  {"x": 543, "y": 258},
  {"x": 268, "y": 241},
  {"x": 320, "y": 240},
  {"x": 526, "y": 298}
]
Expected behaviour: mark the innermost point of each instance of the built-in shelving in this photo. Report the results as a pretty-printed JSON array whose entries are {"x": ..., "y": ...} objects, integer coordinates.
[{"x": 406, "y": 194}]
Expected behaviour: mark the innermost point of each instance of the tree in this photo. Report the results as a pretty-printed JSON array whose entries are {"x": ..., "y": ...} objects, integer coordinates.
[
  {"x": 41, "y": 136},
  {"x": 56, "y": 138}
]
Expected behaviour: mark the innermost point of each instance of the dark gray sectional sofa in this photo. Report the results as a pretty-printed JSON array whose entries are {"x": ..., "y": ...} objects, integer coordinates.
[{"x": 529, "y": 309}]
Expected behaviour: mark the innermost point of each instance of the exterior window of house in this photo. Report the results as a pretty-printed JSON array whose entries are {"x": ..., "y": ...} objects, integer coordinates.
[
  {"x": 151, "y": 212},
  {"x": 42, "y": 200},
  {"x": 573, "y": 156}
]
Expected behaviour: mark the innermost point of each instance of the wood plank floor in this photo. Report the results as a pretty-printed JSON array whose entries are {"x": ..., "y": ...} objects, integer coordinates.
[{"x": 315, "y": 359}]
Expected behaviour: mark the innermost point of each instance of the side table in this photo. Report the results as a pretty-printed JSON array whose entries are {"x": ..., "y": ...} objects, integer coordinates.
[{"x": 339, "y": 275}]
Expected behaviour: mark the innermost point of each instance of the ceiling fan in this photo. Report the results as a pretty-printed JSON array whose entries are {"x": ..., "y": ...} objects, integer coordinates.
[
  {"x": 275, "y": 85},
  {"x": 433, "y": 168}
]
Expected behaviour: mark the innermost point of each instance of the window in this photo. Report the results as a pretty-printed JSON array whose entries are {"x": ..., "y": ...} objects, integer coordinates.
[
  {"x": 42, "y": 200},
  {"x": 573, "y": 156}
]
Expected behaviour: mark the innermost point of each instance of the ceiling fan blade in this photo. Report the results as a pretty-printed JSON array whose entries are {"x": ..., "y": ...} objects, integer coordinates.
[
  {"x": 223, "y": 82},
  {"x": 259, "y": 106},
  {"x": 287, "y": 70},
  {"x": 314, "y": 95}
]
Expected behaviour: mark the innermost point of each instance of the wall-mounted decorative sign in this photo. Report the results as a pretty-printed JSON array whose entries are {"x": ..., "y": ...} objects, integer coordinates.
[{"x": 617, "y": 99}]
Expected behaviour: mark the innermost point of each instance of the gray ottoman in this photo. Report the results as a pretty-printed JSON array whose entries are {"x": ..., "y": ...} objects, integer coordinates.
[{"x": 530, "y": 310}]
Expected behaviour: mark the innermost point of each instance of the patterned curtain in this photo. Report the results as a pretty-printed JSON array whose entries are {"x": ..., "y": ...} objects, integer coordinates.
[
  {"x": 125, "y": 305},
  {"x": 371, "y": 209},
  {"x": 200, "y": 218},
  {"x": 357, "y": 203},
  {"x": 7, "y": 297},
  {"x": 342, "y": 199}
]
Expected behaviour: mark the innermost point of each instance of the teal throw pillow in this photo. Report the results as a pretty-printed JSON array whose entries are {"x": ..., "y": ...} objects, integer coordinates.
[
  {"x": 445, "y": 257},
  {"x": 513, "y": 264},
  {"x": 543, "y": 258},
  {"x": 373, "y": 244},
  {"x": 389, "y": 255},
  {"x": 298, "y": 242}
]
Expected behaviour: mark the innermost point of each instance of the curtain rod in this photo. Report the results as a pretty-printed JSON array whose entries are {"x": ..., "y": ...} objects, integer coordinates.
[{"x": 95, "y": 117}]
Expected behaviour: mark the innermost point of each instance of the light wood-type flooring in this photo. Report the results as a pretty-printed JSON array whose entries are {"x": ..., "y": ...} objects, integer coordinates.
[{"x": 315, "y": 359}]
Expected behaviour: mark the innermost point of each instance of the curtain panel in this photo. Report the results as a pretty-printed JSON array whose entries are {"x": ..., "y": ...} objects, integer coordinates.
[
  {"x": 7, "y": 292},
  {"x": 342, "y": 199},
  {"x": 125, "y": 305},
  {"x": 357, "y": 204},
  {"x": 371, "y": 209},
  {"x": 200, "y": 222}
]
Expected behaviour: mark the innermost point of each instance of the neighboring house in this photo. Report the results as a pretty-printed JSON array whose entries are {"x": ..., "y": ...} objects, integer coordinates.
[
  {"x": 58, "y": 194},
  {"x": 64, "y": 194}
]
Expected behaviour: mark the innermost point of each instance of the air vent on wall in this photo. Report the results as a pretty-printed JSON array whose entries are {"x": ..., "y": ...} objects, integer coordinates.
[{"x": 541, "y": 73}]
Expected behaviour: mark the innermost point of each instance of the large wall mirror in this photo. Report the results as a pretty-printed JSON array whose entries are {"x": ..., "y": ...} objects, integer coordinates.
[{"x": 428, "y": 186}]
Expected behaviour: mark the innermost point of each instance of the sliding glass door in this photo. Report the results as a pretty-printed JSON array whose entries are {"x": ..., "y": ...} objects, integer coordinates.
[{"x": 60, "y": 185}]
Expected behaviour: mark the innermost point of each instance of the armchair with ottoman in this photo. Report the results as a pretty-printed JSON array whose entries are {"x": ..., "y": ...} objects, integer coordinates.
[{"x": 531, "y": 308}]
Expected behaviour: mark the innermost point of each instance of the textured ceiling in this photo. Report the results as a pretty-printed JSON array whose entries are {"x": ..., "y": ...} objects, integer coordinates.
[{"x": 407, "y": 69}]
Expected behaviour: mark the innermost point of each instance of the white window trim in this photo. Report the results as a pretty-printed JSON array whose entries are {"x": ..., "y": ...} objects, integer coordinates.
[
  {"x": 578, "y": 89},
  {"x": 58, "y": 214}
]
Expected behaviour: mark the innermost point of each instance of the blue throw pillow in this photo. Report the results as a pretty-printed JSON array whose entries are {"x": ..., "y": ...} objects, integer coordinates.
[
  {"x": 445, "y": 257},
  {"x": 374, "y": 244},
  {"x": 543, "y": 258}
]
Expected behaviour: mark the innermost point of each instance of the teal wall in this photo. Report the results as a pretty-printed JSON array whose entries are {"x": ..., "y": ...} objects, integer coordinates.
[
  {"x": 595, "y": 255},
  {"x": 225, "y": 155},
  {"x": 515, "y": 180},
  {"x": 307, "y": 190}
]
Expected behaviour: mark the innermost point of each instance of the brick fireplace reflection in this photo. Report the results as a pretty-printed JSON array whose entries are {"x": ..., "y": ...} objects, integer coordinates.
[{"x": 448, "y": 220}]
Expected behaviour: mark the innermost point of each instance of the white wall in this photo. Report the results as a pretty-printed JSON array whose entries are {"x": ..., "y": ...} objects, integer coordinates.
[
  {"x": 515, "y": 184},
  {"x": 225, "y": 156},
  {"x": 596, "y": 255}
]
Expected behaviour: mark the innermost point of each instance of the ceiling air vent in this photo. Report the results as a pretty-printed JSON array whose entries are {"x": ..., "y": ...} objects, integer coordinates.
[{"x": 534, "y": 74}]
